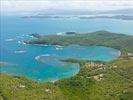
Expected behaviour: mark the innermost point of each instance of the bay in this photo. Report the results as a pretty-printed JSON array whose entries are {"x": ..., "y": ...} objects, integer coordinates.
[{"x": 15, "y": 29}]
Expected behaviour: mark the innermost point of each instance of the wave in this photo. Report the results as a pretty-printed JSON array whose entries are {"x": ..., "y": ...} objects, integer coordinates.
[
  {"x": 60, "y": 33},
  {"x": 45, "y": 45},
  {"x": 19, "y": 42},
  {"x": 44, "y": 55},
  {"x": 58, "y": 48},
  {"x": 37, "y": 57},
  {"x": 23, "y": 43},
  {"x": 19, "y": 51},
  {"x": 8, "y": 40}
]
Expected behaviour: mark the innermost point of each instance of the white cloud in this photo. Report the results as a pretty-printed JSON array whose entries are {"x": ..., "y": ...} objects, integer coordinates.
[{"x": 35, "y": 5}]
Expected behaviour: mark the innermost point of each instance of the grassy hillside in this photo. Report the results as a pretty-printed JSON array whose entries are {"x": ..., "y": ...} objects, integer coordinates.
[
  {"x": 104, "y": 38},
  {"x": 21, "y": 88},
  {"x": 101, "y": 81}
]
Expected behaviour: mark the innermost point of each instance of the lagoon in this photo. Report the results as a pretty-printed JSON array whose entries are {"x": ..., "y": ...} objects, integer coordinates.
[{"x": 44, "y": 62}]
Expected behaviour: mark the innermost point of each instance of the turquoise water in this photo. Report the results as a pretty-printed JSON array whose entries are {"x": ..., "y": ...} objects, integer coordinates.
[{"x": 43, "y": 62}]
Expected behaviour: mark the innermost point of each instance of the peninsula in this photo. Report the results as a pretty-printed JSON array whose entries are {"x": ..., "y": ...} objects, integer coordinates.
[{"x": 100, "y": 38}]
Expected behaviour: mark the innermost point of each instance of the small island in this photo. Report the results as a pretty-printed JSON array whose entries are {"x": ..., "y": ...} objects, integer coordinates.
[{"x": 122, "y": 17}]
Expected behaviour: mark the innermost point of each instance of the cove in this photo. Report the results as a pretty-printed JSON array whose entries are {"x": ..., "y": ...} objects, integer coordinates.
[{"x": 43, "y": 62}]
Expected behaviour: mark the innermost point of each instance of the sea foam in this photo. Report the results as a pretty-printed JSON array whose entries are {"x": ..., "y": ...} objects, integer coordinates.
[
  {"x": 44, "y": 55},
  {"x": 8, "y": 40},
  {"x": 19, "y": 51}
]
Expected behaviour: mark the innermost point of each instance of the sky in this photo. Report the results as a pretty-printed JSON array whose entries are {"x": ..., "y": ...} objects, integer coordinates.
[{"x": 22, "y": 6}]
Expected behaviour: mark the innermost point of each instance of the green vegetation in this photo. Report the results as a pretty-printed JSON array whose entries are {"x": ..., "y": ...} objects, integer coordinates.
[
  {"x": 21, "y": 88},
  {"x": 102, "y": 38},
  {"x": 101, "y": 81},
  {"x": 96, "y": 80}
]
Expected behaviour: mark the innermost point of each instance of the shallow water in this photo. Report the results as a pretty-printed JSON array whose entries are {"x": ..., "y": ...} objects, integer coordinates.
[{"x": 43, "y": 62}]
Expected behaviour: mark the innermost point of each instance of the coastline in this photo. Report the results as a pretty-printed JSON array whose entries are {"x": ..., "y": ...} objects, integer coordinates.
[
  {"x": 98, "y": 80},
  {"x": 94, "y": 80}
]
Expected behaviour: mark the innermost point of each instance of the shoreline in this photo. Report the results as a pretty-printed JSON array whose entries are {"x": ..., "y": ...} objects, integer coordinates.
[{"x": 74, "y": 74}]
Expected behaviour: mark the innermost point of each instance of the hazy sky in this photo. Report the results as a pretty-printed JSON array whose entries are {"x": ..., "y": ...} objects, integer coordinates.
[{"x": 21, "y": 6}]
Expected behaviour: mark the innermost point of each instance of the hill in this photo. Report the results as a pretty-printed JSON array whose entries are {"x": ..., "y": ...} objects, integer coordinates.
[{"x": 102, "y": 38}]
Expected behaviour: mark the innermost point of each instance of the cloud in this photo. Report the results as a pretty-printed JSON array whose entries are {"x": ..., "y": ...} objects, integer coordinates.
[{"x": 17, "y": 6}]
